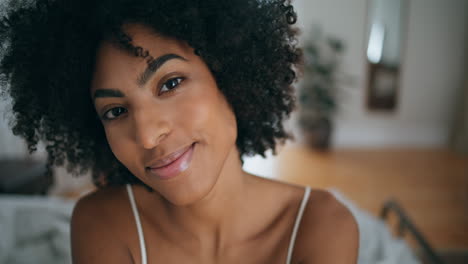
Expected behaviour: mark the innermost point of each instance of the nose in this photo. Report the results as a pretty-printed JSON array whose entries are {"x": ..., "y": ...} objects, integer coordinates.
[{"x": 150, "y": 128}]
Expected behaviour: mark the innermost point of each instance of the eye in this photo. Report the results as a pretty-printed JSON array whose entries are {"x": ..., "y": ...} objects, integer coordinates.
[
  {"x": 113, "y": 113},
  {"x": 171, "y": 84}
]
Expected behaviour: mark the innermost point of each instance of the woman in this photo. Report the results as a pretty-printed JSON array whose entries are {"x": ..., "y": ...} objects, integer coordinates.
[{"x": 161, "y": 99}]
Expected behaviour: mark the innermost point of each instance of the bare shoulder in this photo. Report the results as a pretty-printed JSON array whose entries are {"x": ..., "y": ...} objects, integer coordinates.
[
  {"x": 94, "y": 228},
  {"x": 328, "y": 232}
]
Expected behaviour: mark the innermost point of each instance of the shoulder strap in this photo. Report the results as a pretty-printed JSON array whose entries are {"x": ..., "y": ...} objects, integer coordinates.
[
  {"x": 138, "y": 224},
  {"x": 297, "y": 224}
]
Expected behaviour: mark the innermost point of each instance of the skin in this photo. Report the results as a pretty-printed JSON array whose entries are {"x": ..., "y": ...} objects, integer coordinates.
[{"x": 213, "y": 212}]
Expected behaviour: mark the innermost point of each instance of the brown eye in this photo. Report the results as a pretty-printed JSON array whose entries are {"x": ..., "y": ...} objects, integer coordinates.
[
  {"x": 171, "y": 84},
  {"x": 114, "y": 113}
]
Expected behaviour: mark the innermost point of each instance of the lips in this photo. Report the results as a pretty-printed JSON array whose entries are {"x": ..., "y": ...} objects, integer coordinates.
[{"x": 173, "y": 164}]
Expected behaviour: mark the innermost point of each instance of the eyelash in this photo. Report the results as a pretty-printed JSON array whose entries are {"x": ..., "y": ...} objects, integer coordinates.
[{"x": 179, "y": 79}]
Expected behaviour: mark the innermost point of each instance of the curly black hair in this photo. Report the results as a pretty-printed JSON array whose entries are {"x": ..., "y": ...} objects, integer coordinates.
[{"x": 48, "y": 50}]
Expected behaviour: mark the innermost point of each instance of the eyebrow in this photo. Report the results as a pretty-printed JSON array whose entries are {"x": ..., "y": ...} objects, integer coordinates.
[
  {"x": 152, "y": 68},
  {"x": 99, "y": 93},
  {"x": 154, "y": 65}
]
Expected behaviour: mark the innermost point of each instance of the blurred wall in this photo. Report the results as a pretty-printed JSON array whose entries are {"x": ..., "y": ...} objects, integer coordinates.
[
  {"x": 432, "y": 71},
  {"x": 460, "y": 127},
  {"x": 10, "y": 145}
]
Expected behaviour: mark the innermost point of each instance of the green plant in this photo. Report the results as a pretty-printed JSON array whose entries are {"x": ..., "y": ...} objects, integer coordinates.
[
  {"x": 318, "y": 91},
  {"x": 317, "y": 94}
]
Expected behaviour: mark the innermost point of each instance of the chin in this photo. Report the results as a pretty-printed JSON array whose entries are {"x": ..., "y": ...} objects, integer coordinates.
[
  {"x": 189, "y": 194},
  {"x": 197, "y": 184},
  {"x": 187, "y": 188}
]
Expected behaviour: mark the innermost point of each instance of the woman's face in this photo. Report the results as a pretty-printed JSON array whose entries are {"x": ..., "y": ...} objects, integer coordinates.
[{"x": 167, "y": 122}]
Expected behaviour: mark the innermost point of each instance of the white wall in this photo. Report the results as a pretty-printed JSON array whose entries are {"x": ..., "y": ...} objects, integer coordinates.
[
  {"x": 10, "y": 145},
  {"x": 431, "y": 71}
]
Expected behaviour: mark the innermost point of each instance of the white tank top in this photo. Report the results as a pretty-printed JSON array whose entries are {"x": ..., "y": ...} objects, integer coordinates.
[{"x": 142, "y": 238}]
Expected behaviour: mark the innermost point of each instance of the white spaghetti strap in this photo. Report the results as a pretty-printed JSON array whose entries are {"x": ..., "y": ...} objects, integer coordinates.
[
  {"x": 138, "y": 224},
  {"x": 297, "y": 224}
]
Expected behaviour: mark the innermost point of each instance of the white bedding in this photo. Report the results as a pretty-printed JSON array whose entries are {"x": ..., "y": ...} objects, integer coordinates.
[
  {"x": 34, "y": 230},
  {"x": 376, "y": 243}
]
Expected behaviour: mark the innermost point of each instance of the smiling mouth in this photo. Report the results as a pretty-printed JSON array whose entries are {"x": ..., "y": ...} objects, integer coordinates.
[
  {"x": 173, "y": 165},
  {"x": 169, "y": 159}
]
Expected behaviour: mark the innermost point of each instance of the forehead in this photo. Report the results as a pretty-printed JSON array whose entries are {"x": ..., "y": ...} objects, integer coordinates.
[
  {"x": 147, "y": 38},
  {"x": 112, "y": 61},
  {"x": 144, "y": 37}
]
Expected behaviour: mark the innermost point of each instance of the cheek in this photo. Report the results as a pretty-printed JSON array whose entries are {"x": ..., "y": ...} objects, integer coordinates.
[
  {"x": 210, "y": 118},
  {"x": 225, "y": 121},
  {"x": 120, "y": 146}
]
